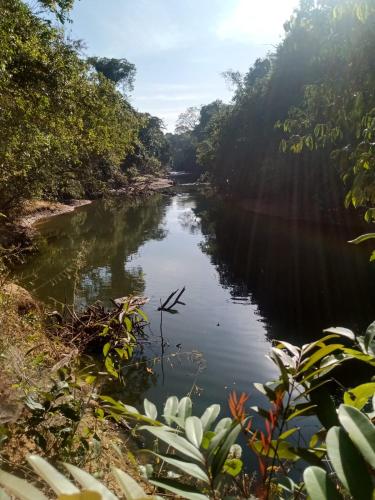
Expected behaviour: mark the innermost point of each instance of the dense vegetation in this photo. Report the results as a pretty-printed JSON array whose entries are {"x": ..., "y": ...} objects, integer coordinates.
[
  {"x": 314, "y": 96},
  {"x": 67, "y": 128}
]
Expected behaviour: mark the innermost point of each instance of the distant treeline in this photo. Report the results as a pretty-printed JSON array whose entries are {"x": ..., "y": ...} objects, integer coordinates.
[
  {"x": 314, "y": 96},
  {"x": 66, "y": 126}
]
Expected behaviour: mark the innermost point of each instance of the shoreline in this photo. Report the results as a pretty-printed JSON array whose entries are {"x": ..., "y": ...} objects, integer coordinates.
[
  {"x": 36, "y": 210},
  {"x": 39, "y": 210}
]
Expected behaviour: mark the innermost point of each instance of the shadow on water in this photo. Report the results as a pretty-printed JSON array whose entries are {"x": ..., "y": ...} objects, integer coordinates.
[
  {"x": 249, "y": 279},
  {"x": 303, "y": 277}
]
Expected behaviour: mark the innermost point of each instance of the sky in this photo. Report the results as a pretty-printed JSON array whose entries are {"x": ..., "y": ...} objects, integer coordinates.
[{"x": 180, "y": 47}]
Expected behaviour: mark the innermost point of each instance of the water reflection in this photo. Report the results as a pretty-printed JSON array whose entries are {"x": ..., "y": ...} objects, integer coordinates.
[
  {"x": 89, "y": 253},
  {"x": 303, "y": 277},
  {"x": 248, "y": 278}
]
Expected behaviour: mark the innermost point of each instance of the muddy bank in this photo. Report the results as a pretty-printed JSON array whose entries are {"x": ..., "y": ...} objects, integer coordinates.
[
  {"x": 19, "y": 231},
  {"x": 36, "y": 210}
]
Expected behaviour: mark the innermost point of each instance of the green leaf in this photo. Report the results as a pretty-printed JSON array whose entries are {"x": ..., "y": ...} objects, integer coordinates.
[
  {"x": 318, "y": 343},
  {"x": 106, "y": 348},
  {"x": 325, "y": 407},
  {"x": 284, "y": 450},
  {"x": 150, "y": 409},
  {"x": 184, "y": 408},
  {"x": 233, "y": 466},
  {"x": 300, "y": 410},
  {"x": 142, "y": 314},
  {"x": 194, "y": 430},
  {"x": 275, "y": 356},
  {"x": 296, "y": 351},
  {"x": 313, "y": 457},
  {"x": 214, "y": 442},
  {"x": 264, "y": 389},
  {"x": 60, "y": 484},
  {"x": 222, "y": 452},
  {"x": 90, "y": 379},
  {"x": 88, "y": 482},
  {"x": 187, "y": 467},
  {"x": 224, "y": 423},
  {"x": 131, "y": 489},
  {"x": 207, "y": 437},
  {"x": 318, "y": 355},
  {"x": 343, "y": 332},
  {"x": 369, "y": 336},
  {"x": 180, "y": 489},
  {"x": 288, "y": 433},
  {"x": 209, "y": 416},
  {"x": 110, "y": 367},
  {"x": 20, "y": 488},
  {"x": 362, "y": 238},
  {"x": 128, "y": 324},
  {"x": 359, "y": 396},
  {"x": 179, "y": 443},
  {"x": 366, "y": 358},
  {"x": 361, "y": 431},
  {"x": 318, "y": 484},
  {"x": 170, "y": 409},
  {"x": 348, "y": 464}
]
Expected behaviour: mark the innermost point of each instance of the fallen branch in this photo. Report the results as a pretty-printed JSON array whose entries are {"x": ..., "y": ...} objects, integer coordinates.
[{"x": 168, "y": 308}]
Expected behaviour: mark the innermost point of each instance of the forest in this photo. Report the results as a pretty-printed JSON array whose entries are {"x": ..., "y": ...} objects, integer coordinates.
[
  {"x": 68, "y": 130},
  {"x": 300, "y": 127},
  {"x": 206, "y": 340}
]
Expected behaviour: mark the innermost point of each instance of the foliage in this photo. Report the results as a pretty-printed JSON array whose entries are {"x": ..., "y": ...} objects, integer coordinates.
[
  {"x": 119, "y": 71},
  {"x": 351, "y": 450},
  {"x": 202, "y": 448},
  {"x": 308, "y": 379},
  {"x": 193, "y": 143},
  {"x": 90, "y": 487},
  {"x": 293, "y": 101},
  {"x": 151, "y": 150},
  {"x": 54, "y": 416},
  {"x": 338, "y": 114},
  {"x": 66, "y": 131}
]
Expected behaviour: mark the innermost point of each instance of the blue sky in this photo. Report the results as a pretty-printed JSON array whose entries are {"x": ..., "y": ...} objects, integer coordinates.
[{"x": 180, "y": 47}]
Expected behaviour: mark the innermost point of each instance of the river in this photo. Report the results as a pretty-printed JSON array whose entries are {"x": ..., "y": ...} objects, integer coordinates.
[{"x": 249, "y": 279}]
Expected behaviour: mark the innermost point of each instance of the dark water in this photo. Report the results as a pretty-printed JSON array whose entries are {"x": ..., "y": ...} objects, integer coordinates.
[{"x": 249, "y": 279}]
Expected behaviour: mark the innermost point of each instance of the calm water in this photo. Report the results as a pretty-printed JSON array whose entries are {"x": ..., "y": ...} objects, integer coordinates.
[{"x": 249, "y": 279}]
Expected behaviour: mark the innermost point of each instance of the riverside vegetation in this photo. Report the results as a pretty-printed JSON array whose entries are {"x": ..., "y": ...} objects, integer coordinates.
[{"x": 68, "y": 131}]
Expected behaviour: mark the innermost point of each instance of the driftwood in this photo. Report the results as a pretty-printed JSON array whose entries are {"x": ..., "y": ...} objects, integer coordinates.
[
  {"x": 90, "y": 329},
  {"x": 168, "y": 305}
]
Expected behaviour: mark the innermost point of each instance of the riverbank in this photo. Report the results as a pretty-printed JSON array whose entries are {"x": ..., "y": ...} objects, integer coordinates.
[
  {"x": 49, "y": 406},
  {"x": 36, "y": 210},
  {"x": 19, "y": 230}
]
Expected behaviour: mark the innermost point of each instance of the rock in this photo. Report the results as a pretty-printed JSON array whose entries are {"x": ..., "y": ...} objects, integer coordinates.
[{"x": 23, "y": 300}]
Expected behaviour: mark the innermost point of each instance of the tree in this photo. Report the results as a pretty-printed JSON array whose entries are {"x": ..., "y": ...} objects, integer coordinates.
[
  {"x": 187, "y": 121},
  {"x": 120, "y": 71}
]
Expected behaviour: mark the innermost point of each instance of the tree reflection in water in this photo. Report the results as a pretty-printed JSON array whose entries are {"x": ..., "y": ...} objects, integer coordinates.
[
  {"x": 303, "y": 277},
  {"x": 92, "y": 249}
]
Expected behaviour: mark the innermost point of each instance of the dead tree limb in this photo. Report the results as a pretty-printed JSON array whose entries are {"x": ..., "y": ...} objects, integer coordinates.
[{"x": 166, "y": 307}]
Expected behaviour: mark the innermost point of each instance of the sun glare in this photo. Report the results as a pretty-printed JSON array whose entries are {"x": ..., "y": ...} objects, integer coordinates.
[{"x": 255, "y": 20}]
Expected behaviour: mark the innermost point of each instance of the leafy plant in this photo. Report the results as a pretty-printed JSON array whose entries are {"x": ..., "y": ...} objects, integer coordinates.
[
  {"x": 351, "y": 453},
  {"x": 197, "y": 447},
  {"x": 63, "y": 488},
  {"x": 53, "y": 421}
]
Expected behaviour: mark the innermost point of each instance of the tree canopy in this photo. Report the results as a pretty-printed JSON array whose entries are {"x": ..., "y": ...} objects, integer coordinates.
[
  {"x": 314, "y": 95},
  {"x": 66, "y": 131}
]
